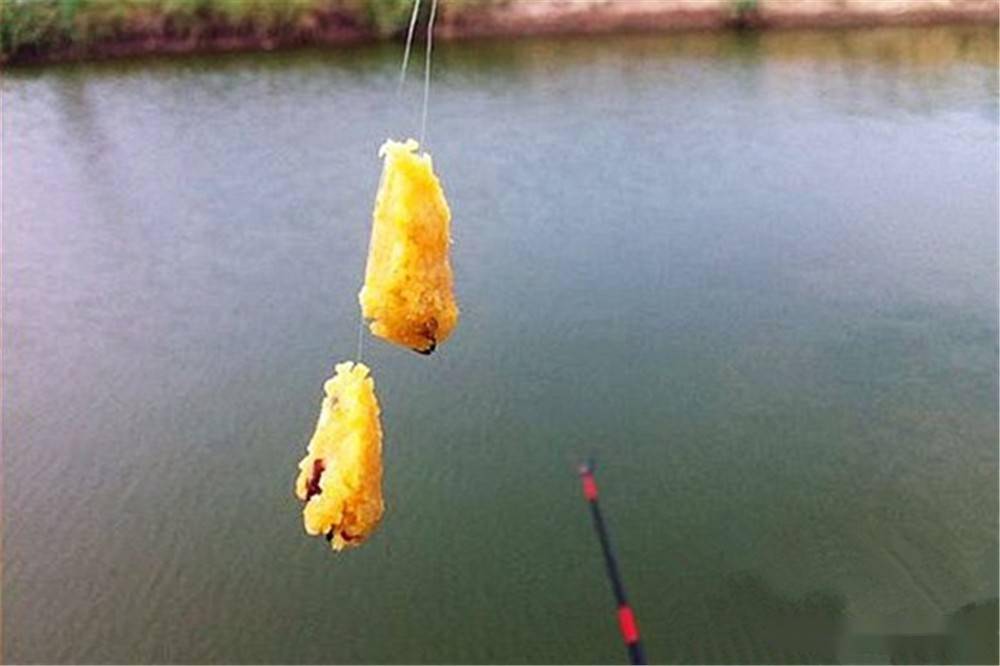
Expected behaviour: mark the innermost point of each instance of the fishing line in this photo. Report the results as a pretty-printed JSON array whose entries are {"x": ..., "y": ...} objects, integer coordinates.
[
  {"x": 427, "y": 71},
  {"x": 409, "y": 42},
  {"x": 361, "y": 336}
]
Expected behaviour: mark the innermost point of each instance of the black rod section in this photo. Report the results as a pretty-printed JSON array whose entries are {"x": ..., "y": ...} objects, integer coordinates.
[{"x": 626, "y": 619}]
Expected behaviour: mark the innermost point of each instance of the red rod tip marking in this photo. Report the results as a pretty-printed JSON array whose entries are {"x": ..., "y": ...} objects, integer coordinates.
[
  {"x": 626, "y": 622},
  {"x": 589, "y": 487}
]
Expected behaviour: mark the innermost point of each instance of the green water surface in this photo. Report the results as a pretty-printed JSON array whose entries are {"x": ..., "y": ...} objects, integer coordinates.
[{"x": 755, "y": 276}]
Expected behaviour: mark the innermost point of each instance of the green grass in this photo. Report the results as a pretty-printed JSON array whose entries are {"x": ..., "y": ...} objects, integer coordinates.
[{"x": 37, "y": 27}]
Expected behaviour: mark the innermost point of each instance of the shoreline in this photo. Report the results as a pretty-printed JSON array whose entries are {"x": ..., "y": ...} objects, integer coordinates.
[
  {"x": 148, "y": 33},
  {"x": 573, "y": 17}
]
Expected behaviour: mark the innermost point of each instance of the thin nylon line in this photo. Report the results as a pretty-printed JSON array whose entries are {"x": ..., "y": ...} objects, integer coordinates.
[
  {"x": 427, "y": 71},
  {"x": 409, "y": 42},
  {"x": 361, "y": 335}
]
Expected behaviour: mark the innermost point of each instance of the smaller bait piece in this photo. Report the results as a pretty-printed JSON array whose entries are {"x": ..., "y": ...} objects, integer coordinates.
[{"x": 340, "y": 479}]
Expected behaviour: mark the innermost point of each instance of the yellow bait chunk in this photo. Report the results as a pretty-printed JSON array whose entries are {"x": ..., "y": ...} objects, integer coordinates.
[
  {"x": 340, "y": 479},
  {"x": 407, "y": 293}
]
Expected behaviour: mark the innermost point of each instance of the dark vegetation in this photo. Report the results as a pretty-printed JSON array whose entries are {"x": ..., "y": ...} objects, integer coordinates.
[{"x": 39, "y": 29}]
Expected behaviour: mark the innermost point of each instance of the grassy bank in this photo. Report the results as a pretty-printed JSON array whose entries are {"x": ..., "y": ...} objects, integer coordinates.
[
  {"x": 46, "y": 30},
  {"x": 57, "y": 29}
]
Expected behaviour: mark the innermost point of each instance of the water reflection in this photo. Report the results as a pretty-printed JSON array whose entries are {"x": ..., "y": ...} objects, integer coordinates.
[
  {"x": 972, "y": 634},
  {"x": 968, "y": 636},
  {"x": 747, "y": 621}
]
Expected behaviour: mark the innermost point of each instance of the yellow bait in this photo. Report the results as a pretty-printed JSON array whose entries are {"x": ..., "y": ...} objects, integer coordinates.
[
  {"x": 407, "y": 294},
  {"x": 340, "y": 479}
]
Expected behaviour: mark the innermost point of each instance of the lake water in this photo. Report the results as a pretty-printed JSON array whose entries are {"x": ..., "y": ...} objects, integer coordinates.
[{"x": 755, "y": 276}]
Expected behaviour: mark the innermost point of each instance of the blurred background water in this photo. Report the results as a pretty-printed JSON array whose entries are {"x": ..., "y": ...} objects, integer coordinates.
[{"x": 755, "y": 275}]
